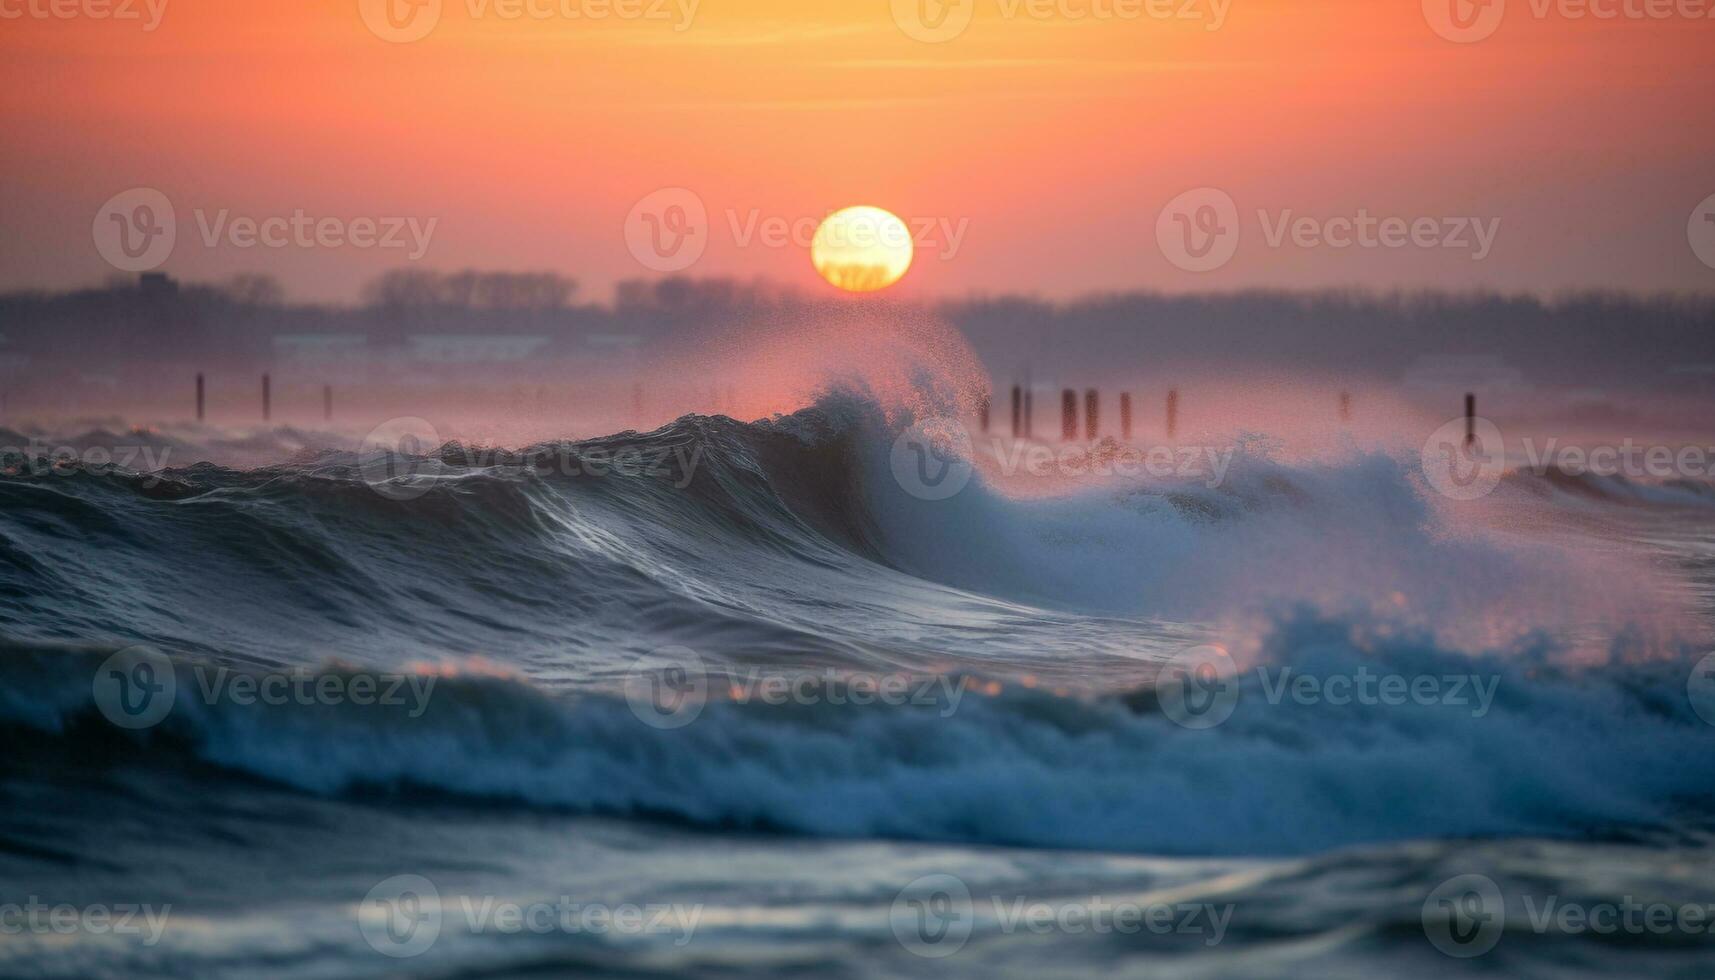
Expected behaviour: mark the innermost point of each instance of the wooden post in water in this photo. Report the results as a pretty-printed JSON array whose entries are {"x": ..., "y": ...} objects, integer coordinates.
[
  {"x": 1172, "y": 413},
  {"x": 1068, "y": 414},
  {"x": 1092, "y": 413},
  {"x": 267, "y": 399},
  {"x": 1017, "y": 412},
  {"x": 1470, "y": 418},
  {"x": 1345, "y": 406},
  {"x": 1125, "y": 415},
  {"x": 200, "y": 396}
]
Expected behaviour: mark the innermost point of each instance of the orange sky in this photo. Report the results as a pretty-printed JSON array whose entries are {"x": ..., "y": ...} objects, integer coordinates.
[{"x": 1051, "y": 143}]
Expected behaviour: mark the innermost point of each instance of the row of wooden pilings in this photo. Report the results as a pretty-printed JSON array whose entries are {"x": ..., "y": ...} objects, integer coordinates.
[
  {"x": 267, "y": 399},
  {"x": 1023, "y": 410},
  {"x": 1023, "y": 413}
]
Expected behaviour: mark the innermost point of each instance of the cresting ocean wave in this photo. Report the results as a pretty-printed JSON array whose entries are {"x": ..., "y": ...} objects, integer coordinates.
[
  {"x": 1507, "y": 746},
  {"x": 513, "y": 603},
  {"x": 713, "y": 510}
]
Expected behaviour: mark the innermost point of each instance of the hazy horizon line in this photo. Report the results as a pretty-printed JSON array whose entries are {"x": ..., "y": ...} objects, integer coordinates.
[{"x": 777, "y": 289}]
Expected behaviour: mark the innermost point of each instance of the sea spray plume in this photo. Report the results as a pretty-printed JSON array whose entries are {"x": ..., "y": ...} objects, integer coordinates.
[
  {"x": 1352, "y": 535},
  {"x": 905, "y": 358}
]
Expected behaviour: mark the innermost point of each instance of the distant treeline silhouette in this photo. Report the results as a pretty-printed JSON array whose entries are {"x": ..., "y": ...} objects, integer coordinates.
[{"x": 1588, "y": 338}]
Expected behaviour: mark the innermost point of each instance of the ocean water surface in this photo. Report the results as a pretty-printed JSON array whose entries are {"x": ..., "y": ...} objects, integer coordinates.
[{"x": 763, "y": 701}]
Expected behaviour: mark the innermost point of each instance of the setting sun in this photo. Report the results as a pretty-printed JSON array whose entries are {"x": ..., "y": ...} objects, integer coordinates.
[{"x": 861, "y": 249}]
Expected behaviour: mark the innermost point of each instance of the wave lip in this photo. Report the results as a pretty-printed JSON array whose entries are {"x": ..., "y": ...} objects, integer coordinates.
[{"x": 797, "y": 529}]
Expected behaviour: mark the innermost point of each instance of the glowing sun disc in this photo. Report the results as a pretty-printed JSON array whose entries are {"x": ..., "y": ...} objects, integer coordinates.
[{"x": 861, "y": 249}]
